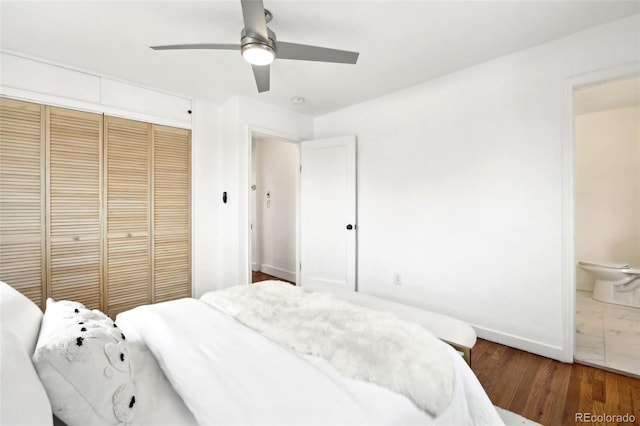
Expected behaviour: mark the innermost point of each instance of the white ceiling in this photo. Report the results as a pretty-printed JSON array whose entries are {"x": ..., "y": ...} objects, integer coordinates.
[{"x": 401, "y": 43}]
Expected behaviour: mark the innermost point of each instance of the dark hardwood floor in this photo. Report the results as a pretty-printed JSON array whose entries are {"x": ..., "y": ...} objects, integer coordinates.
[
  {"x": 550, "y": 392},
  {"x": 261, "y": 276}
]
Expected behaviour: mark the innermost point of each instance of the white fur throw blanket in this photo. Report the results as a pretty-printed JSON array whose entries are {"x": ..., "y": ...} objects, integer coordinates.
[{"x": 361, "y": 343}]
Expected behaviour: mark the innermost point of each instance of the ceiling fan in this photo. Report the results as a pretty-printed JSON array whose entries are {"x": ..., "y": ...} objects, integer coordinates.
[{"x": 260, "y": 48}]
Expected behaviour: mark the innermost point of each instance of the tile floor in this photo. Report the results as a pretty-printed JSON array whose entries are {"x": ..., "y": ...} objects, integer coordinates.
[{"x": 607, "y": 335}]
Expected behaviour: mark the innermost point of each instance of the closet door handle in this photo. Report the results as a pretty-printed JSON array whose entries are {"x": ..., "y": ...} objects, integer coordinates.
[{"x": 350, "y": 227}]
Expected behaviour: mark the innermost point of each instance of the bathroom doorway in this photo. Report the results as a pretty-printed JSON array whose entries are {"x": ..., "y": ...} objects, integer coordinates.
[
  {"x": 607, "y": 217},
  {"x": 275, "y": 172}
]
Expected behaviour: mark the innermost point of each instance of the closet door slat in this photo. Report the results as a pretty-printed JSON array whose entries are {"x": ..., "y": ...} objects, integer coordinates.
[
  {"x": 171, "y": 213},
  {"x": 74, "y": 148},
  {"x": 22, "y": 198},
  {"x": 128, "y": 233}
]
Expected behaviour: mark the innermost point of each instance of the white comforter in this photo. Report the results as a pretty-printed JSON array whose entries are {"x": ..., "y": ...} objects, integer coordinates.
[
  {"x": 361, "y": 343},
  {"x": 227, "y": 374}
]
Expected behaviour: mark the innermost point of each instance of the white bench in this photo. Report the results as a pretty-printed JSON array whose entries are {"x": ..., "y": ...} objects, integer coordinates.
[{"x": 453, "y": 331}]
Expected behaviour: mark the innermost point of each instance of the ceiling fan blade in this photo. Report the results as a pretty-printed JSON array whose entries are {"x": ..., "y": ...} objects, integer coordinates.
[
  {"x": 197, "y": 46},
  {"x": 305, "y": 52},
  {"x": 261, "y": 74},
  {"x": 255, "y": 22}
]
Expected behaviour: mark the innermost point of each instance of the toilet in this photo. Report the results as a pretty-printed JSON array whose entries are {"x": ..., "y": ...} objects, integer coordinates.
[{"x": 615, "y": 283}]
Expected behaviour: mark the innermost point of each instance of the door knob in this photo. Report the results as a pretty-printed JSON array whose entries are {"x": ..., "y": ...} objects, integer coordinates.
[{"x": 350, "y": 227}]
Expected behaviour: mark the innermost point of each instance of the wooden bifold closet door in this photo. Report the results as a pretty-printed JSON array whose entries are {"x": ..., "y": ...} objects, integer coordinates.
[
  {"x": 22, "y": 197},
  {"x": 148, "y": 191},
  {"x": 128, "y": 239},
  {"x": 93, "y": 208},
  {"x": 74, "y": 208},
  {"x": 171, "y": 213},
  {"x": 50, "y": 185}
]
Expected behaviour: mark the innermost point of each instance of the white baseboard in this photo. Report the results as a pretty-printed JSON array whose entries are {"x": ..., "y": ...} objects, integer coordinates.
[
  {"x": 278, "y": 272},
  {"x": 528, "y": 345},
  {"x": 255, "y": 266}
]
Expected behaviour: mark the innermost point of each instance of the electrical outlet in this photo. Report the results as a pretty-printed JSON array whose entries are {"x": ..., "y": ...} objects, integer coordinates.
[{"x": 397, "y": 278}]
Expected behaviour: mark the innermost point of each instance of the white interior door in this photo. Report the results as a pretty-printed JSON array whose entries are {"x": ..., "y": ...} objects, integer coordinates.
[{"x": 328, "y": 212}]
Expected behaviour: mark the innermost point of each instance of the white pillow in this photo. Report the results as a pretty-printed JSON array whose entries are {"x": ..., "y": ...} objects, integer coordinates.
[
  {"x": 23, "y": 400},
  {"x": 83, "y": 361},
  {"x": 19, "y": 315}
]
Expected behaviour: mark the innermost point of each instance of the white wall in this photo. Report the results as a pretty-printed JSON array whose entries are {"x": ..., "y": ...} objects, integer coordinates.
[
  {"x": 277, "y": 171},
  {"x": 607, "y": 188},
  {"x": 239, "y": 118},
  {"x": 205, "y": 187},
  {"x": 460, "y": 187}
]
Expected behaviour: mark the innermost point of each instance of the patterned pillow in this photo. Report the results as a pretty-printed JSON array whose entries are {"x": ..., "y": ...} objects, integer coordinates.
[{"x": 83, "y": 361}]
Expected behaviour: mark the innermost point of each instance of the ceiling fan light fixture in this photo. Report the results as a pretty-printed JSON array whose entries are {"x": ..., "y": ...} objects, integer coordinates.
[
  {"x": 258, "y": 46},
  {"x": 258, "y": 54}
]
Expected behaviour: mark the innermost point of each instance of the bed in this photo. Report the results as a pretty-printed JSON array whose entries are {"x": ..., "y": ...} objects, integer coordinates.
[{"x": 266, "y": 354}]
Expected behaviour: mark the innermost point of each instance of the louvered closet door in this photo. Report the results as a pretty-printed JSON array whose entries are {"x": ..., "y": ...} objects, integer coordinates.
[
  {"x": 171, "y": 213},
  {"x": 128, "y": 244},
  {"x": 74, "y": 144},
  {"x": 22, "y": 197}
]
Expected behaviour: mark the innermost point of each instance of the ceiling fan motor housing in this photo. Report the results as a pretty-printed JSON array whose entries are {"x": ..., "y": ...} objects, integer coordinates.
[{"x": 252, "y": 40}]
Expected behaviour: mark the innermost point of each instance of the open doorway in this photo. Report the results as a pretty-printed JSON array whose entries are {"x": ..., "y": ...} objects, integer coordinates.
[
  {"x": 275, "y": 173},
  {"x": 607, "y": 222}
]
